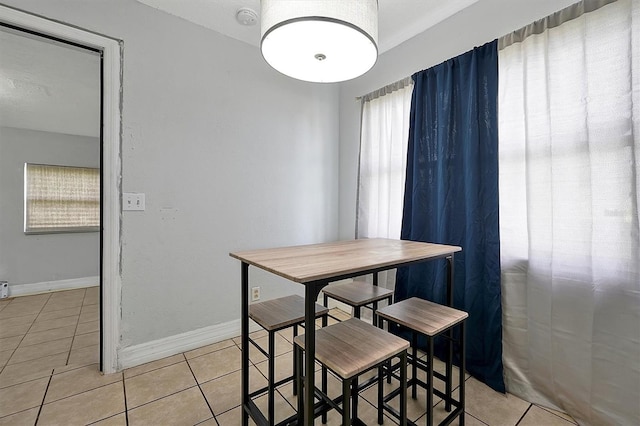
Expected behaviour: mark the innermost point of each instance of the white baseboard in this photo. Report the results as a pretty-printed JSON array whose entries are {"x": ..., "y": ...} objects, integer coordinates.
[
  {"x": 151, "y": 351},
  {"x": 49, "y": 286}
]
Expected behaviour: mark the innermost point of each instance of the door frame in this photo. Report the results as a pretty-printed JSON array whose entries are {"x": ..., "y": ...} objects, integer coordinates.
[{"x": 111, "y": 286}]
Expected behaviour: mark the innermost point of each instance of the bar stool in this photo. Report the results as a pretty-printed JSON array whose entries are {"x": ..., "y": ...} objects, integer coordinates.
[
  {"x": 349, "y": 349},
  {"x": 430, "y": 320},
  {"x": 358, "y": 294},
  {"x": 275, "y": 315}
]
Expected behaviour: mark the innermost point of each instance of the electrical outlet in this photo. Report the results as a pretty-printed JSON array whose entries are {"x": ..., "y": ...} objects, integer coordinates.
[
  {"x": 255, "y": 293},
  {"x": 133, "y": 201}
]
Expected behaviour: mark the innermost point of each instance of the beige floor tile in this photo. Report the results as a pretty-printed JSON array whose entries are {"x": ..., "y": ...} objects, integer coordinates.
[
  {"x": 90, "y": 309},
  {"x": 52, "y": 324},
  {"x": 31, "y": 370},
  {"x": 84, "y": 340},
  {"x": 210, "y": 422},
  {"x": 27, "y": 417},
  {"x": 62, "y": 304},
  {"x": 34, "y": 338},
  {"x": 224, "y": 392},
  {"x": 283, "y": 366},
  {"x": 154, "y": 365},
  {"x": 91, "y": 296},
  {"x": 209, "y": 348},
  {"x": 22, "y": 397},
  {"x": 19, "y": 320},
  {"x": 287, "y": 333},
  {"x": 88, "y": 327},
  {"x": 158, "y": 383},
  {"x": 33, "y": 298},
  {"x": 10, "y": 343},
  {"x": 439, "y": 414},
  {"x": 117, "y": 420},
  {"x": 282, "y": 407},
  {"x": 538, "y": 416},
  {"x": 84, "y": 408},
  {"x": 565, "y": 416},
  {"x": 492, "y": 407},
  {"x": 255, "y": 335},
  {"x": 78, "y": 381},
  {"x": 68, "y": 294},
  {"x": 15, "y": 310},
  {"x": 185, "y": 408},
  {"x": 16, "y": 330},
  {"x": 366, "y": 412},
  {"x": 85, "y": 356},
  {"x": 69, "y": 312},
  {"x": 29, "y": 353},
  {"x": 4, "y": 357},
  {"x": 416, "y": 408},
  {"x": 334, "y": 388},
  {"x": 282, "y": 346},
  {"x": 89, "y": 317},
  {"x": 216, "y": 364},
  {"x": 230, "y": 418}
]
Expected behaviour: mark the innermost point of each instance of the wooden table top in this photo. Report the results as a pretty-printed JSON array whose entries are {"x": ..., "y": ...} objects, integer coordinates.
[{"x": 308, "y": 263}]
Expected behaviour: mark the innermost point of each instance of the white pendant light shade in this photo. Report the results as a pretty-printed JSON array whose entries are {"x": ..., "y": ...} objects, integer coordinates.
[{"x": 322, "y": 41}]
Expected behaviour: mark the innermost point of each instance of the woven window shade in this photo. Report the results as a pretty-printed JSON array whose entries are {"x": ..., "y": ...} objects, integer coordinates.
[{"x": 61, "y": 199}]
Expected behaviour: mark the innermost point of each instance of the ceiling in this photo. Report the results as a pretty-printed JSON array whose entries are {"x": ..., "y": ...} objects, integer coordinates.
[
  {"x": 48, "y": 86},
  {"x": 398, "y": 20}
]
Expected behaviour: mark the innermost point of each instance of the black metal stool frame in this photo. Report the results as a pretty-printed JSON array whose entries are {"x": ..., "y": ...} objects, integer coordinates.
[
  {"x": 271, "y": 355},
  {"x": 426, "y": 366},
  {"x": 350, "y": 390}
]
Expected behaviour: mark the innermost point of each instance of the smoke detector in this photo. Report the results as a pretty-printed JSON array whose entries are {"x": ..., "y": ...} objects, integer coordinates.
[{"x": 246, "y": 16}]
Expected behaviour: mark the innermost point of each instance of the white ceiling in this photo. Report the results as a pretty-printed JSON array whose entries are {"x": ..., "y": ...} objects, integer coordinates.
[
  {"x": 398, "y": 20},
  {"x": 48, "y": 86}
]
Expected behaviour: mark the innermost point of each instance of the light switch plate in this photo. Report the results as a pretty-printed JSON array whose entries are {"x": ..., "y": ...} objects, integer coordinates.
[{"x": 132, "y": 201}]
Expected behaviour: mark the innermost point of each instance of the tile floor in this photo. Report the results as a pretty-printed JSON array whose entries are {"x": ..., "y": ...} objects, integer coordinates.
[{"x": 49, "y": 376}]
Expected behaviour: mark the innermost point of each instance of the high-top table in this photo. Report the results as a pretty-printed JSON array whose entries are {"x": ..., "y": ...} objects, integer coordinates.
[{"x": 315, "y": 266}]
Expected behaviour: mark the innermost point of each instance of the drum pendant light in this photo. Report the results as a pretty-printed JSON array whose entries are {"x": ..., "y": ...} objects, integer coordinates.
[{"x": 322, "y": 41}]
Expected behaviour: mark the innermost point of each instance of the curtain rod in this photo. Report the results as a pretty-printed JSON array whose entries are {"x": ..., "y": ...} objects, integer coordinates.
[
  {"x": 554, "y": 20},
  {"x": 400, "y": 84}
]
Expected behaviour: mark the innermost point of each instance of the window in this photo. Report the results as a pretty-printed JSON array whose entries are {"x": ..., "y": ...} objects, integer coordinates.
[{"x": 61, "y": 199}]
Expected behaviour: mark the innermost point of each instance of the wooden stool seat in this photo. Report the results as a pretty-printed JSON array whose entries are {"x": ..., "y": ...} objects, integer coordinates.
[
  {"x": 274, "y": 315},
  {"x": 358, "y": 295},
  {"x": 350, "y": 348},
  {"x": 430, "y": 320},
  {"x": 423, "y": 316}
]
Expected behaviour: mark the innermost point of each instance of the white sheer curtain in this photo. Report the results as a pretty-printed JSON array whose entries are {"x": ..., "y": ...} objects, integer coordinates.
[
  {"x": 569, "y": 187},
  {"x": 383, "y": 164}
]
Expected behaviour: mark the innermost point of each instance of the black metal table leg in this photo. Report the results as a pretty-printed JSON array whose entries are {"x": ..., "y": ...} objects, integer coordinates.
[
  {"x": 461, "y": 395},
  {"x": 448, "y": 384},
  {"x": 272, "y": 373},
  {"x": 245, "y": 341}
]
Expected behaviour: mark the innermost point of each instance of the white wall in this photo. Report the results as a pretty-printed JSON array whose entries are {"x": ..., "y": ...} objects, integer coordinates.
[
  {"x": 27, "y": 259},
  {"x": 484, "y": 21},
  {"x": 231, "y": 155}
]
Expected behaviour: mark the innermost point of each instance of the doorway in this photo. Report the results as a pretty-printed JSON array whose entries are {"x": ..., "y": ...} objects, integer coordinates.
[{"x": 108, "y": 106}]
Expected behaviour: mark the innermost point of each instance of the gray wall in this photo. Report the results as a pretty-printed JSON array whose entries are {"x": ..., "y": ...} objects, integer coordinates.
[
  {"x": 26, "y": 259},
  {"x": 231, "y": 155},
  {"x": 482, "y": 22}
]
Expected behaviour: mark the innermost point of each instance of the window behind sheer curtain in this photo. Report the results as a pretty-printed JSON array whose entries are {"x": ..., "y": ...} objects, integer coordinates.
[
  {"x": 61, "y": 199},
  {"x": 383, "y": 165},
  {"x": 569, "y": 149}
]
